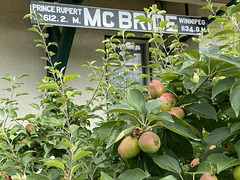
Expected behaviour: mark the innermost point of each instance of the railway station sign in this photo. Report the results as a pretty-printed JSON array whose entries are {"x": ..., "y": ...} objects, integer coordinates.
[{"x": 59, "y": 14}]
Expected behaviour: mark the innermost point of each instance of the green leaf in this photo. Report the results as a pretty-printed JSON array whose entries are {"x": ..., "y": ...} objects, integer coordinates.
[
  {"x": 169, "y": 177},
  {"x": 70, "y": 77},
  {"x": 237, "y": 147},
  {"x": 48, "y": 85},
  {"x": 79, "y": 114},
  {"x": 136, "y": 99},
  {"x": 144, "y": 76},
  {"x": 181, "y": 127},
  {"x": 76, "y": 167},
  {"x": 203, "y": 168},
  {"x": 217, "y": 136},
  {"x": 222, "y": 85},
  {"x": 115, "y": 131},
  {"x": 62, "y": 100},
  {"x": 36, "y": 106},
  {"x": 225, "y": 32},
  {"x": 155, "y": 40},
  {"x": 168, "y": 163},
  {"x": 163, "y": 24},
  {"x": 161, "y": 116},
  {"x": 28, "y": 16},
  {"x": 101, "y": 51},
  {"x": 104, "y": 130},
  {"x": 55, "y": 163},
  {"x": 37, "y": 177},
  {"x": 21, "y": 94},
  {"x": 124, "y": 133},
  {"x": 23, "y": 75},
  {"x": 144, "y": 19},
  {"x": 130, "y": 35},
  {"x": 235, "y": 97},
  {"x": 208, "y": 7},
  {"x": 47, "y": 26},
  {"x": 68, "y": 144},
  {"x": 5, "y": 78},
  {"x": 123, "y": 108},
  {"x": 192, "y": 54},
  {"x": 225, "y": 58},
  {"x": 234, "y": 127},
  {"x": 80, "y": 154},
  {"x": 52, "y": 44},
  {"x": 203, "y": 110},
  {"x": 136, "y": 174},
  {"x": 2, "y": 112},
  {"x": 105, "y": 176},
  {"x": 74, "y": 128},
  {"x": 222, "y": 161},
  {"x": 233, "y": 9},
  {"x": 154, "y": 106}
]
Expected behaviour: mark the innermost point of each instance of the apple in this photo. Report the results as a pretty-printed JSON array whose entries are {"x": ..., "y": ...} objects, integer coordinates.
[
  {"x": 170, "y": 98},
  {"x": 166, "y": 106},
  {"x": 30, "y": 128},
  {"x": 24, "y": 141},
  {"x": 169, "y": 101},
  {"x": 236, "y": 173},
  {"x": 178, "y": 112},
  {"x": 195, "y": 162},
  {"x": 212, "y": 147},
  {"x": 208, "y": 177},
  {"x": 195, "y": 78},
  {"x": 216, "y": 79},
  {"x": 149, "y": 142},
  {"x": 129, "y": 147},
  {"x": 156, "y": 89}
]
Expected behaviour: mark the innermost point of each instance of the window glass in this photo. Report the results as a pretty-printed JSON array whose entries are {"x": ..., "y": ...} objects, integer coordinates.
[{"x": 137, "y": 65}]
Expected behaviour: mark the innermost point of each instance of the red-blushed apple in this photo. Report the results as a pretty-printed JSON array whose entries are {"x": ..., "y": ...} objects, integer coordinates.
[
  {"x": 129, "y": 147},
  {"x": 178, "y": 112},
  {"x": 149, "y": 142},
  {"x": 170, "y": 98},
  {"x": 24, "y": 141},
  {"x": 166, "y": 106},
  {"x": 236, "y": 173},
  {"x": 156, "y": 89},
  {"x": 30, "y": 128},
  {"x": 169, "y": 101},
  {"x": 195, "y": 162},
  {"x": 208, "y": 177}
]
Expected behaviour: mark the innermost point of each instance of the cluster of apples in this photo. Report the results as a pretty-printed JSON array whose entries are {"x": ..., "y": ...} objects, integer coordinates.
[
  {"x": 157, "y": 91},
  {"x": 148, "y": 142}
]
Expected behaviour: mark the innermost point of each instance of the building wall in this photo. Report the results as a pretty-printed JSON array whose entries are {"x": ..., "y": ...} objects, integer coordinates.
[{"x": 18, "y": 53}]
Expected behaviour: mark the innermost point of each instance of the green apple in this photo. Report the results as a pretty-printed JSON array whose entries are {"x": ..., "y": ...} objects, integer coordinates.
[
  {"x": 156, "y": 89},
  {"x": 128, "y": 148},
  {"x": 149, "y": 142}
]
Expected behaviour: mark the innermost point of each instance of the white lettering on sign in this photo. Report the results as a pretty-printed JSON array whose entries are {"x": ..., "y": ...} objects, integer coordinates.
[
  {"x": 156, "y": 20},
  {"x": 125, "y": 20},
  {"x": 192, "y": 21},
  {"x": 59, "y": 14},
  {"x": 106, "y": 16},
  {"x": 136, "y": 23},
  {"x": 43, "y": 8},
  {"x": 95, "y": 21},
  {"x": 171, "y": 24},
  {"x": 66, "y": 10}
]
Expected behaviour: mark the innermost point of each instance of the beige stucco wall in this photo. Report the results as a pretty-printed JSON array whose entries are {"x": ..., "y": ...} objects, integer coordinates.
[{"x": 18, "y": 53}]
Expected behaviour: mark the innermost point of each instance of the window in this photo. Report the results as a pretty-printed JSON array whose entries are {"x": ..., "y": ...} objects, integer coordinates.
[{"x": 140, "y": 51}]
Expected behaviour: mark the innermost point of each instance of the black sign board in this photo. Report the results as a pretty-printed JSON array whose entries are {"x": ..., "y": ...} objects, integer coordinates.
[{"x": 59, "y": 14}]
